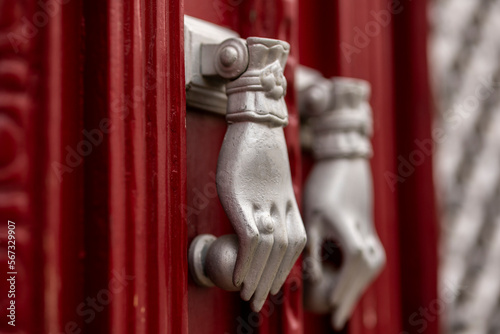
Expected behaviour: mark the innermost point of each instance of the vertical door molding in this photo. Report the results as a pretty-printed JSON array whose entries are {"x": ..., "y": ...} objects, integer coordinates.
[
  {"x": 136, "y": 96},
  {"x": 147, "y": 165}
]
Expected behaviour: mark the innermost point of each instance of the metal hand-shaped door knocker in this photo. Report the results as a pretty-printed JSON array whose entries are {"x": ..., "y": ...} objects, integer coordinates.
[
  {"x": 253, "y": 174},
  {"x": 338, "y": 195}
]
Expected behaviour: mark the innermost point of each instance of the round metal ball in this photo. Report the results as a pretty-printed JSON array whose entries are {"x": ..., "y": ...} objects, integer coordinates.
[
  {"x": 220, "y": 262},
  {"x": 232, "y": 58},
  {"x": 197, "y": 258},
  {"x": 228, "y": 56}
]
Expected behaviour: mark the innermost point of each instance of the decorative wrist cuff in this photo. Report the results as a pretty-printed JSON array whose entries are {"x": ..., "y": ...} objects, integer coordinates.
[
  {"x": 339, "y": 115},
  {"x": 258, "y": 94},
  {"x": 341, "y": 144}
]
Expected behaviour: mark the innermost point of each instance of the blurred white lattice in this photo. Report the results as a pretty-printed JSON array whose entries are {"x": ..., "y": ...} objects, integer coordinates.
[{"x": 464, "y": 52}]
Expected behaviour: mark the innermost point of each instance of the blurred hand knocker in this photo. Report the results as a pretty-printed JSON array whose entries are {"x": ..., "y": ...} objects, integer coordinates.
[
  {"x": 253, "y": 175},
  {"x": 338, "y": 195}
]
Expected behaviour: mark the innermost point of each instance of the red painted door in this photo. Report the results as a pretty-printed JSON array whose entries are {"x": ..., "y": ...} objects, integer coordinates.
[
  {"x": 221, "y": 311},
  {"x": 109, "y": 176}
]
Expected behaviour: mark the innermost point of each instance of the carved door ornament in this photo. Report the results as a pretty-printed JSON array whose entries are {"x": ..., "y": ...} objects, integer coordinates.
[
  {"x": 244, "y": 80},
  {"x": 338, "y": 194}
]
